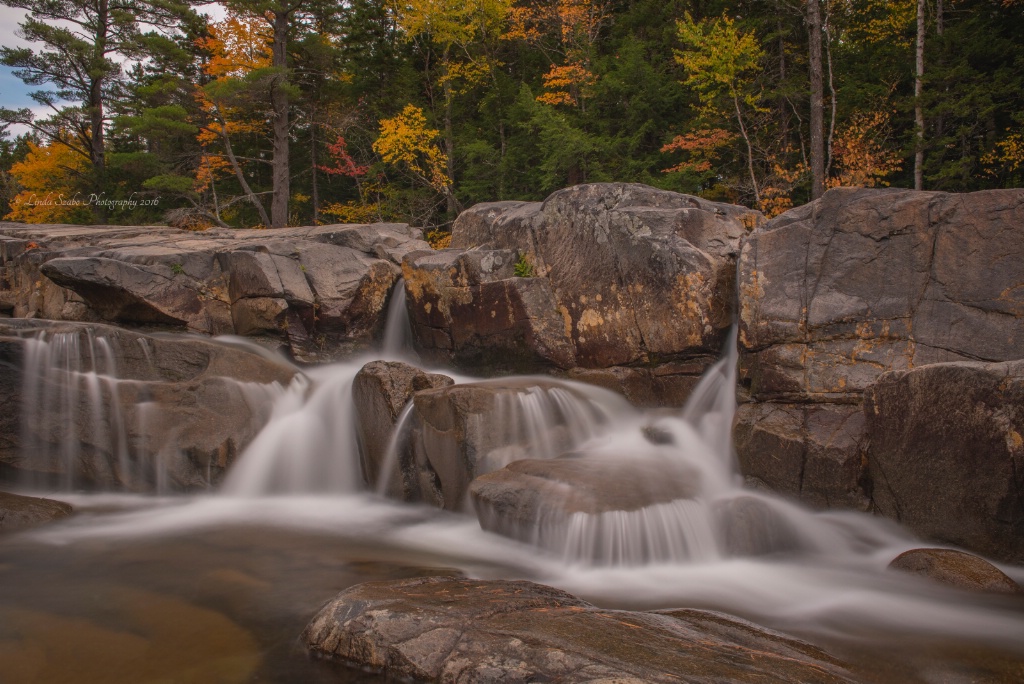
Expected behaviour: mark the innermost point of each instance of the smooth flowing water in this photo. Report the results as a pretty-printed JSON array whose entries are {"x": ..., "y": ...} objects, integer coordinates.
[{"x": 217, "y": 587}]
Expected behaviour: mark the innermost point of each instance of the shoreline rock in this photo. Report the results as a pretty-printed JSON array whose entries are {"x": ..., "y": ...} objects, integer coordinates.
[{"x": 442, "y": 629}]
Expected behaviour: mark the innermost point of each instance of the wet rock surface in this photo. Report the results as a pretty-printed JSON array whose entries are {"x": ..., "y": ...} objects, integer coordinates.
[
  {"x": 613, "y": 276},
  {"x": 319, "y": 290},
  {"x": 946, "y": 454},
  {"x": 858, "y": 283},
  {"x": 103, "y": 406},
  {"x": 19, "y": 512},
  {"x": 380, "y": 391},
  {"x": 535, "y": 500},
  {"x": 455, "y": 434},
  {"x": 956, "y": 569},
  {"x": 448, "y": 629}
]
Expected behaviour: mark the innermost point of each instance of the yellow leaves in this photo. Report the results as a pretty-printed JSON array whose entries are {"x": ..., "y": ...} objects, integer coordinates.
[
  {"x": 405, "y": 141},
  {"x": 453, "y": 22},
  {"x": 878, "y": 21},
  {"x": 1008, "y": 153},
  {"x": 861, "y": 154},
  {"x": 352, "y": 212},
  {"x": 238, "y": 45},
  {"x": 719, "y": 58},
  {"x": 49, "y": 177}
]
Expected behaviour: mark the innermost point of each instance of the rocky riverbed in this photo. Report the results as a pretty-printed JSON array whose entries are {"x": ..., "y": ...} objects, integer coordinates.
[{"x": 876, "y": 368}]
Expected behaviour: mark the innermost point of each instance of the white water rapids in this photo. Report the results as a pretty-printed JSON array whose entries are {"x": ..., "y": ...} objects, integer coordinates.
[{"x": 725, "y": 548}]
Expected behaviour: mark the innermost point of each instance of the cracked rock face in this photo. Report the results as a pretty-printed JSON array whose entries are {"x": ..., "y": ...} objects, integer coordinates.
[
  {"x": 441, "y": 629},
  {"x": 621, "y": 276},
  {"x": 946, "y": 453},
  {"x": 319, "y": 290},
  {"x": 858, "y": 284}
]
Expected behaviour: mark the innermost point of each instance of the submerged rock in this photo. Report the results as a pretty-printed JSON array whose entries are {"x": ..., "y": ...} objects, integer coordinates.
[
  {"x": 586, "y": 506},
  {"x": 946, "y": 454},
  {"x": 603, "y": 276},
  {"x": 321, "y": 290},
  {"x": 855, "y": 284},
  {"x": 956, "y": 569},
  {"x": 97, "y": 406},
  {"x": 443, "y": 629},
  {"x": 18, "y": 512}
]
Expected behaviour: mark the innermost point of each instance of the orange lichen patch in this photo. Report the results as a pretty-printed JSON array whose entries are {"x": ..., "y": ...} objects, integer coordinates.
[
  {"x": 1014, "y": 441},
  {"x": 567, "y": 320},
  {"x": 589, "y": 319}
]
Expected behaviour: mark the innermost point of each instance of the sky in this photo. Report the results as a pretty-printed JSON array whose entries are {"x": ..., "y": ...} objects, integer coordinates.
[{"x": 13, "y": 93}]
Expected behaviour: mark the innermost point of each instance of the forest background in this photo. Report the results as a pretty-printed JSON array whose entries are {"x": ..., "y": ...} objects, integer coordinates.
[{"x": 297, "y": 112}]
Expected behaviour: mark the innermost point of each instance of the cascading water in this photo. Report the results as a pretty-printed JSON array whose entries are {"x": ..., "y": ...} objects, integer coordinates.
[
  {"x": 713, "y": 545},
  {"x": 71, "y": 405},
  {"x": 397, "y": 341}
]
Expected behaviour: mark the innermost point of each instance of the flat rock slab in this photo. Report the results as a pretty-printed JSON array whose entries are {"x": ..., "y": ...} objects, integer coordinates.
[
  {"x": 321, "y": 290},
  {"x": 955, "y": 569},
  {"x": 18, "y": 512},
  {"x": 442, "y": 629}
]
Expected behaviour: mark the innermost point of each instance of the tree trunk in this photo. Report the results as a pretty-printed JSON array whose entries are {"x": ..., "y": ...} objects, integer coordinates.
[
  {"x": 279, "y": 101},
  {"x": 97, "y": 143},
  {"x": 817, "y": 100},
  {"x": 240, "y": 175},
  {"x": 750, "y": 149},
  {"x": 312, "y": 170},
  {"x": 918, "y": 108},
  {"x": 449, "y": 142}
]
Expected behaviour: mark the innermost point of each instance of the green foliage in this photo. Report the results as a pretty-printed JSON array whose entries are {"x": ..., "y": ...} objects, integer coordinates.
[
  {"x": 705, "y": 98},
  {"x": 523, "y": 267}
]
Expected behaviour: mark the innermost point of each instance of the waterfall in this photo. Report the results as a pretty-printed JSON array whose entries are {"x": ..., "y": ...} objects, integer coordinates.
[
  {"x": 309, "y": 443},
  {"x": 398, "y": 341},
  {"x": 73, "y": 428}
]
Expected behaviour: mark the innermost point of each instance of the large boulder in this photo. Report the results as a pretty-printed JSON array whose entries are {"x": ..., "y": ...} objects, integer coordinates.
[
  {"x": 380, "y": 391},
  {"x": 95, "y": 406},
  {"x": 321, "y": 290},
  {"x": 19, "y": 512},
  {"x": 556, "y": 503},
  {"x": 860, "y": 282},
  {"x": 946, "y": 454},
  {"x": 600, "y": 276},
  {"x": 956, "y": 569},
  {"x": 440, "y": 629},
  {"x": 455, "y": 434}
]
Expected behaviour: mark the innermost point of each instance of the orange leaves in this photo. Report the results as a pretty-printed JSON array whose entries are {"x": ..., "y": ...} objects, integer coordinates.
[
  {"x": 574, "y": 25},
  {"x": 861, "y": 153},
  {"x": 238, "y": 45},
  {"x": 405, "y": 141},
  {"x": 564, "y": 83},
  {"x": 49, "y": 177},
  {"x": 701, "y": 147}
]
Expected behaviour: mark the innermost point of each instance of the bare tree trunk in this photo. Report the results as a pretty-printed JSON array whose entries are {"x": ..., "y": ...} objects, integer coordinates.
[
  {"x": 237, "y": 168},
  {"x": 918, "y": 108},
  {"x": 312, "y": 169},
  {"x": 817, "y": 100},
  {"x": 750, "y": 149},
  {"x": 449, "y": 141},
  {"x": 97, "y": 143},
  {"x": 281, "y": 176}
]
